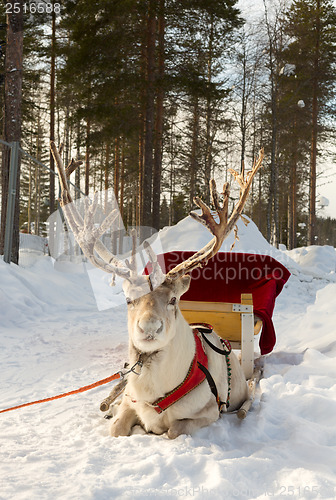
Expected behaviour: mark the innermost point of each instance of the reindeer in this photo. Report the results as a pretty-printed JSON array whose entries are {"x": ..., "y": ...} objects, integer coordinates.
[{"x": 165, "y": 353}]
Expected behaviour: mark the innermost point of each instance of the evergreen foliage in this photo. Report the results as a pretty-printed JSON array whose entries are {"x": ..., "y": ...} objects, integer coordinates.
[{"x": 158, "y": 96}]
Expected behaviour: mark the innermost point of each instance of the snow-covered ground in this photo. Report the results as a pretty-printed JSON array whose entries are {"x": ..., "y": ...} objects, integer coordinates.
[{"x": 55, "y": 339}]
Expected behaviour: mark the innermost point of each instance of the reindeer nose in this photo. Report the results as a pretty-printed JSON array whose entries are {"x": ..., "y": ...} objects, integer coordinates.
[{"x": 150, "y": 325}]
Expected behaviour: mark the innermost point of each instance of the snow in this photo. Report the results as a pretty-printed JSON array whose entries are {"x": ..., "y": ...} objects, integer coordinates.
[
  {"x": 323, "y": 201},
  {"x": 317, "y": 261},
  {"x": 55, "y": 339}
]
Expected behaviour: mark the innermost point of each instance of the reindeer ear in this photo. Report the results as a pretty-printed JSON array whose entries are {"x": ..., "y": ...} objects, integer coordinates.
[{"x": 181, "y": 285}]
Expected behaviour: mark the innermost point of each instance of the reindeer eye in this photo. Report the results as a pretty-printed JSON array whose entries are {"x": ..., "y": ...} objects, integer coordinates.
[
  {"x": 172, "y": 301},
  {"x": 128, "y": 301}
]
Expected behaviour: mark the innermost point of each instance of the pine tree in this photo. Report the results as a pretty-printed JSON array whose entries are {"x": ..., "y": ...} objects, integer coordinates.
[
  {"x": 102, "y": 38},
  {"x": 202, "y": 33},
  {"x": 135, "y": 53}
]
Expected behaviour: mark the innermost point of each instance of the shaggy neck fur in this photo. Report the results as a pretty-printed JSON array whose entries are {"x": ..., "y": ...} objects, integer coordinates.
[{"x": 165, "y": 368}]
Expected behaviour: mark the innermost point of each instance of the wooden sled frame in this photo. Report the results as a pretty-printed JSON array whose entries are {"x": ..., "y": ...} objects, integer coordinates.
[{"x": 234, "y": 322}]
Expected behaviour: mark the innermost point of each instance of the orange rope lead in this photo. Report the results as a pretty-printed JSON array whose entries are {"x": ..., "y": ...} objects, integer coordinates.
[{"x": 81, "y": 389}]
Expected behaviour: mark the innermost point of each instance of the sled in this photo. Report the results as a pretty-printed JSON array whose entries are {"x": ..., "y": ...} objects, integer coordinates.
[{"x": 235, "y": 293}]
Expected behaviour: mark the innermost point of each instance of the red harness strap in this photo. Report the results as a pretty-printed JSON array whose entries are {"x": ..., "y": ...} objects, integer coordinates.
[{"x": 194, "y": 377}]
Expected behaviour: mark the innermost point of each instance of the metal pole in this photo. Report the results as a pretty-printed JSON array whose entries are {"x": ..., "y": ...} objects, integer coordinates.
[{"x": 13, "y": 168}]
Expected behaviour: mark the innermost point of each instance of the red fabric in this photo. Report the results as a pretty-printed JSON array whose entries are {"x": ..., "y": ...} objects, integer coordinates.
[
  {"x": 228, "y": 275},
  {"x": 194, "y": 377}
]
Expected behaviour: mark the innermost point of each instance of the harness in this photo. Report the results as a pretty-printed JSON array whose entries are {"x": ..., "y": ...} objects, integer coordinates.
[
  {"x": 226, "y": 351},
  {"x": 198, "y": 372}
]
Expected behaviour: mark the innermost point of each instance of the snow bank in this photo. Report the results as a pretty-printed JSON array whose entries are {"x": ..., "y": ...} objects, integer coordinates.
[
  {"x": 26, "y": 293},
  {"x": 319, "y": 262},
  {"x": 54, "y": 339},
  {"x": 189, "y": 234}
]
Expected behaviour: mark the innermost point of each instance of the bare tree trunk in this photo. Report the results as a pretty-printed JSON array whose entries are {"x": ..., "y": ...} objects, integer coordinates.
[
  {"x": 37, "y": 180},
  {"x": 106, "y": 174},
  {"x": 134, "y": 208},
  {"x": 291, "y": 231},
  {"x": 77, "y": 171},
  {"x": 102, "y": 174},
  {"x": 312, "y": 177},
  {"x": 272, "y": 205},
  {"x": 243, "y": 115},
  {"x": 36, "y": 201},
  {"x": 259, "y": 186},
  {"x": 52, "y": 110},
  {"x": 259, "y": 200},
  {"x": 12, "y": 117},
  {"x": 292, "y": 194},
  {"x": 294, "y": 205},
  {"x": 116, "y": 177},
  {"x": 29, "y": 196},
  {"x": 172, "y": 177},
  {"x": 140, "y": 188},
  {"x": 254, "y": 153},
  {"x": 116, "y": 180},
  {"x": 87, "y": 157},
  {"x": 121, "y": 202},
  {"x": 208, "y": 119},
  {"x": 149, "y": 114},
  {"x": 122, "y": 180},
  {"x": 159, "y": 120},
  {"x": 67, "y": 133},
  {"x": 313, "y": 150},
  {"x": 140, "y": 182},
  {"x": 194, "y": 152}
]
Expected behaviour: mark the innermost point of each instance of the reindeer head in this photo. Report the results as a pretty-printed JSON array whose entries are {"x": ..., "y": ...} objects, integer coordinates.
[
  {"x": 151, "y": 317},
  {"x": 152, "y": 300}
]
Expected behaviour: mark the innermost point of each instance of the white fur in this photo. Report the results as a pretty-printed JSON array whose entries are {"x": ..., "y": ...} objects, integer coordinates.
[{"x": 155, "y": 326}]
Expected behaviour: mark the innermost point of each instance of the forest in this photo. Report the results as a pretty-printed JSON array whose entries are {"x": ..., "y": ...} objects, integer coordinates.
[{"x": 158, "y": 96}]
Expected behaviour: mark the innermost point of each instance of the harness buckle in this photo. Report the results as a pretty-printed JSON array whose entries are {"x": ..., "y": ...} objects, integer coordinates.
[
  {"x": 140, "y": 363},
  {"x": 132, "y": 369}
]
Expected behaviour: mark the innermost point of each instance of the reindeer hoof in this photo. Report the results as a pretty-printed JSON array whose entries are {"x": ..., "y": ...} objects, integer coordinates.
[
  {"x": 173, "y": 433},
  {"x": 118, "y": 429},
  {"x": 176, "y": 430}
]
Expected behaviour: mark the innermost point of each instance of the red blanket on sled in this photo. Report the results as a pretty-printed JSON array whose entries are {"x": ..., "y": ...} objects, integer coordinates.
[{"x": 228, "y": 275}]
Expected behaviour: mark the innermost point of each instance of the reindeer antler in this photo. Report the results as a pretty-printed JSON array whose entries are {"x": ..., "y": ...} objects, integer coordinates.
[
  {"x": 220, "y": 229},
  {"x": 88, "y": 235},
  {"x": 84, "y": 230}
]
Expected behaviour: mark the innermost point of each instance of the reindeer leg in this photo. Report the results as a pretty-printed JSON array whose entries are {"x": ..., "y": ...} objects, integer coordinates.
[
  {"x": 124, "y": 420},
  {"x": 187, "y": 426},
  {"x": 205, "y": 417}
]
